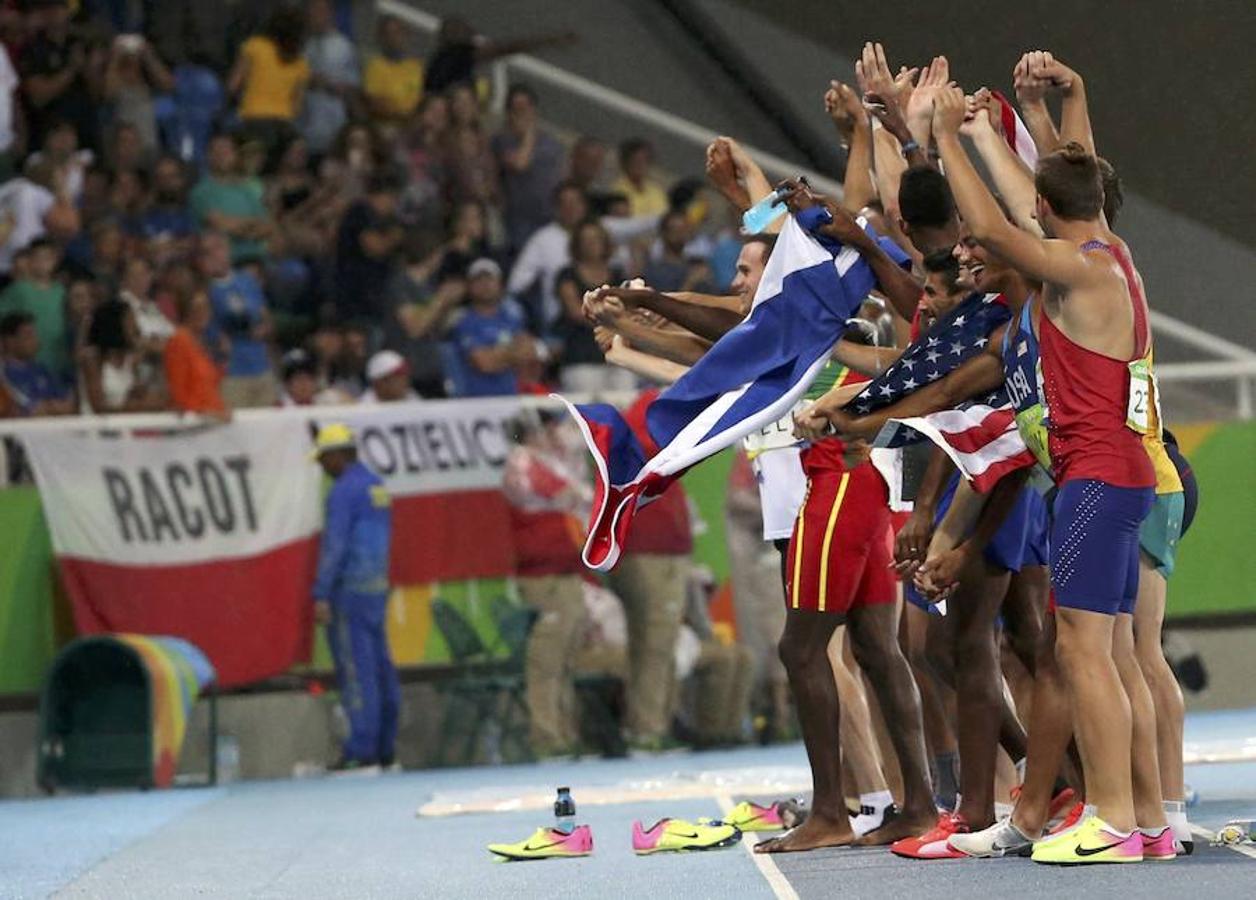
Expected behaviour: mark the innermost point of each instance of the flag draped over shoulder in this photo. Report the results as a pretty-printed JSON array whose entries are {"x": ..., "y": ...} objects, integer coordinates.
[
  {"x": 980, "y": 436},
  {"x": 750, "y": 377}
]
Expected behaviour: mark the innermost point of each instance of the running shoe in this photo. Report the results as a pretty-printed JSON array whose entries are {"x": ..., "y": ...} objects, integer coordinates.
[
  {"x": 1160, "y": 845},
  {"x": 548, "y": 843},
  {"x": 1000, "y": 839},
  {"x": 1070, "y": 821},
  {"x": 933, "y": 844},
  {"x": 677, "y": 834},
  {"x": 1094, "y": 841},
  {"x": 747, "y": 816}
]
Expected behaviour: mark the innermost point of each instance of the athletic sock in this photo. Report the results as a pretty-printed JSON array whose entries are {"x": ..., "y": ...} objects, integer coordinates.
[
  {"x": 1154, "y": 832},
  {"x": 879, "y": 801},
  {"x": 1175, "y": 812},
  {"x": 947, "y": 785}
]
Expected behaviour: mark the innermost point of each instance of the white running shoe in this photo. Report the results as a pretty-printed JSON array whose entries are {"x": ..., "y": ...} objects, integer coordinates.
[{"x": 1000, "y": 839}]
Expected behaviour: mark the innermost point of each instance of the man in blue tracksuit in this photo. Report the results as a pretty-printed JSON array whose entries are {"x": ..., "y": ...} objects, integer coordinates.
[{"x": 350, "y": 598}]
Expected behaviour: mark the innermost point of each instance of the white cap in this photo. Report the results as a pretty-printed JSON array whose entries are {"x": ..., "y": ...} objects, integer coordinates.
[
  {"x": 484, "y": 266},
  {"x": 383, "y": 364}
]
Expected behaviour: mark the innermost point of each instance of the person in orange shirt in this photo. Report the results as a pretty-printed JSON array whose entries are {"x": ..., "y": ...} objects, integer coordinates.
[{"x": 191, "y": 373}]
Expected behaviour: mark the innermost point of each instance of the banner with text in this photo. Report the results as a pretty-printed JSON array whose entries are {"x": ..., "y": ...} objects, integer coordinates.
[{"x": 212, "y": 534}]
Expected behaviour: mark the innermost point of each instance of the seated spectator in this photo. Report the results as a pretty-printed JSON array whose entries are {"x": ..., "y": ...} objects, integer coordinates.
[
  {"x": 389, "y": 377},
  {"x": 192, "y": 376},
  {"x": 109, "y": 365},
  {"x": 671, "y": 269},
  {"x": 393, "y": 80},
  {"x": 59, "y": 70},
  {"x": 548, "y": 252},
  {"x": 133, "y": 75},
  {"x": 242, "y": 319},
  {"x": 36, "y": 292},
  {"x": 471, "y": 169},
  {"x": 167, "y": 226},
  {"x": 270, "y": 76},
  {"x": 137, "y": 292},
  {"x": 420, "y": 314},
  {"x": 530, "y": 162},
  {"x": 580, "y": 360},
  {"x": 490, "y": 337},
  {"x": 34, "y": 389},
  {"x": 334, "y": 78},
  {"x": 126, "y": 151},
  {"x": 338, "y": 379},
  {"x": 366, "y": 251},
  {"x": 586, "y": 168},
  {"x": 646, "y": 197},
  {"x": 29, "y": 208},
  {"x": 299, "y": 372},
  {"x": 60, "y": 149},
  {"x": 459, "y": 49},
  {"x": 223, "y": 201}
]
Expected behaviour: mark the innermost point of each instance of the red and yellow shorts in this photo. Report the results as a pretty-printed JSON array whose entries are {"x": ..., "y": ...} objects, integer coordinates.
[{"x": 839, "y": 555}]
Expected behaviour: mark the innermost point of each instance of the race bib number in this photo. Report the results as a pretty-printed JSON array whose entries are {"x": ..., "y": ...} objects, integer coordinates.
[
  {"x": 1142, "y": 396},
  {"x": 777, "y": 436}
]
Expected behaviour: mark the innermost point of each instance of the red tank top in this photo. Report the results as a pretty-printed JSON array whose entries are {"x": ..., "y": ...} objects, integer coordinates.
[{"x": 1088, "y": 397}]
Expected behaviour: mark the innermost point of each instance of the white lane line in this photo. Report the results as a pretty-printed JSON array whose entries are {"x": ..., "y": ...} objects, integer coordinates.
[
  {"x": 1211, "y": 836},
  {"x": 763, "y": 861}
]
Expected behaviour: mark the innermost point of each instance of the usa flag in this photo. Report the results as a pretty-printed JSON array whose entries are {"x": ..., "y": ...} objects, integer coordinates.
[
  {"x": 980, "y": 436},
  {"x": 751, "y": 377}
]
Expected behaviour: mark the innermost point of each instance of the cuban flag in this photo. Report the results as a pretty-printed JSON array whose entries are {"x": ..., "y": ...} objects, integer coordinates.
[
  {"x": 751, "y": 377},
  {"x": 980, "y": 436}
]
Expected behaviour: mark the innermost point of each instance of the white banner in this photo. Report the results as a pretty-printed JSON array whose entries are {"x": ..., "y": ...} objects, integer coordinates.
[{"x": 218, "y": 493}]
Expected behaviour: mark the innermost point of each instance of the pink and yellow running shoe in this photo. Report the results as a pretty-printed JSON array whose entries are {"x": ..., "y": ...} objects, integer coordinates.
[
  {"x": 1093, "y": 841},
  {"x": 1159, "y": 846},
  {"x": 677, "y": 834},
  {"x": 548, "y": 843},
  {"x": 749, "y": 816}
]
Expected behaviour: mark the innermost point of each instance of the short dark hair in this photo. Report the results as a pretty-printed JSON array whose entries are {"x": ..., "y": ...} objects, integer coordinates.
[
  {"x": 569, "y": 185},
  {"x": 1070, "y": 181},
  {"x": 943, "y": 262},
  {"x": 767, "y": 240},
  {"x": 108, "y": 329},
  {"x": 924, "y": 198},
  {"x": 632, "y": 147},
  {"x": 14, "y": 322},
  {"x": 520, "y": 89},
  {"x": 1113, "y": 193}
]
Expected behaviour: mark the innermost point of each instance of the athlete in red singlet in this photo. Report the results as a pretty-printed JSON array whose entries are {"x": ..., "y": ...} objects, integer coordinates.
[{"x": 1093, "y": 337}]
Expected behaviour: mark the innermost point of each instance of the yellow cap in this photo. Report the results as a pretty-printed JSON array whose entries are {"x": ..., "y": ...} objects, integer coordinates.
[{"x": 336, "y": 436}]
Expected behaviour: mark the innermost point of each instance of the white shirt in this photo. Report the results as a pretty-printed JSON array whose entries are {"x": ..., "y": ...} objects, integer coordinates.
[
  {"x": 26, "y": 203},
  {"x": 8, "y": 84}
]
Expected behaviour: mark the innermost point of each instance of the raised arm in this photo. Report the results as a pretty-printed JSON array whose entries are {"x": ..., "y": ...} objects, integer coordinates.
[
  {"x": 1031, "y": 95},
  {"x": 1012, "y": 178},
  {"x": 885, "y": 97},
  {"x": 1074, "y": 110},
  {"x": 855, "y": 130},
  {"x": 1058, "y": 262}
]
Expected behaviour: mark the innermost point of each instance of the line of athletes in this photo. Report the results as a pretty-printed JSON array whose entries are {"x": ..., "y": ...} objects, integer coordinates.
[{"x": 1101, "y": 755}]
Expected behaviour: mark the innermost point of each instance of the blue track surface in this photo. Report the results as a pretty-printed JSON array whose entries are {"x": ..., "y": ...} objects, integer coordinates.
[{"x": 360, "y": 837}]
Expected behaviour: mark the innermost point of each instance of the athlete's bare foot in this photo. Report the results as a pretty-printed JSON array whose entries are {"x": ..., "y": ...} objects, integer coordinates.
[
  {"x": 814, "y": 833},
  {"x": 899, "y": 826}
]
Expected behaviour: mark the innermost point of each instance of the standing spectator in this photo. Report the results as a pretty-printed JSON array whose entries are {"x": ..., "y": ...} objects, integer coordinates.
[
  {"x": 671, "y": 269},
  {"x": 580, "y": 360},
  {"x": 223, "y": 201},
  {"x": 241, "y": 318},
  {"x": 459, "y": 49},
  {"x": 59, "y": 71},
  {"x": 393, "y": 81},
  {"x": 167, "y": 225},
  {"x": 490, "y": 336},
  {"x": 531, "y": 166},
  {"x": 137, "y": 292},
  {"x": 422, "y": 154},
  {"x": 645, "y": 196},
  {"x": 109, "y": 365},
  {"x": 419, "y": 316},
  {"x": 586, "y": 168},
  {"x": 389, "y": 377},
  {"x": 351, "y": 597},
  {"x": 270, "y": 76},
  {"x": 34, "y": 389},
  {"x": 133, "y": 75},
  {"x": 334, "y": 78},
  {"x": 192, "y": 375},
  {"x": 547, "y": 498},
  {"x": 36, "y": 292},
  {"x": 366, "y": 249},
  {"x": 472, "y": 172}
]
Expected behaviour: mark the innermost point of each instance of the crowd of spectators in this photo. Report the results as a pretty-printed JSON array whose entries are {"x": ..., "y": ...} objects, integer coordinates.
[{"x": 208, "y": 207}]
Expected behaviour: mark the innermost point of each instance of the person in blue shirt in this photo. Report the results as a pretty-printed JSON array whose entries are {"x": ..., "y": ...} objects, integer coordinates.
[
  {"x": 35, "y": 389},
  {"x": 351, "y": 597},
  {"x": 490, "y": 339},
  {"x": 241, "y": 316}
]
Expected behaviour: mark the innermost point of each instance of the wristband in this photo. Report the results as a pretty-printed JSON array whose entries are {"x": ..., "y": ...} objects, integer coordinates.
[{"x": 910, "y": 146}]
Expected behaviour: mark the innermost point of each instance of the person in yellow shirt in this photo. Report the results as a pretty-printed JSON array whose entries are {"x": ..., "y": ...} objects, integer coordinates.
[
  {"x": 393, "y": 81},
  {"x": 645, "y": 196},
  {"x": 270, "y": 76}
]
